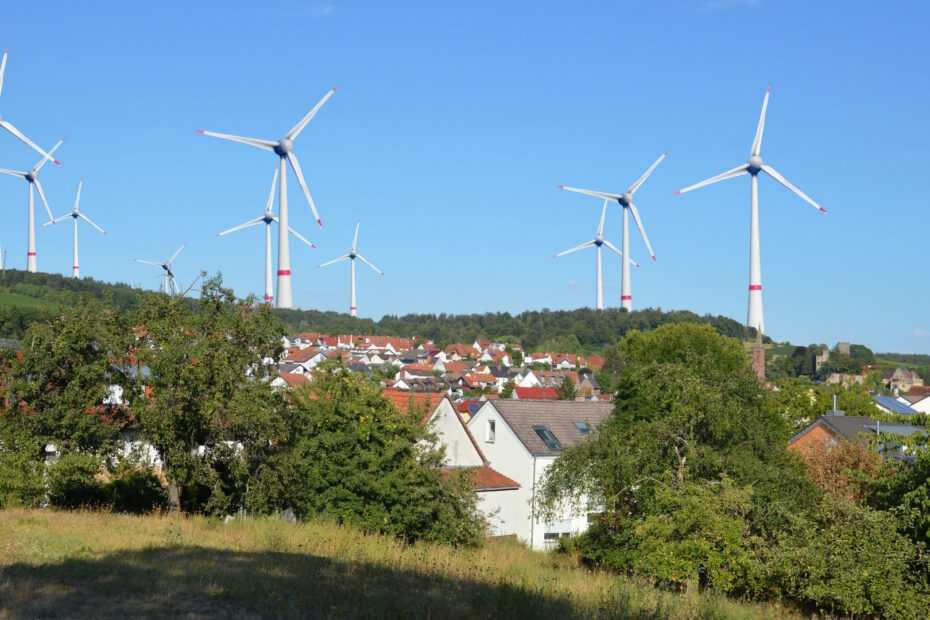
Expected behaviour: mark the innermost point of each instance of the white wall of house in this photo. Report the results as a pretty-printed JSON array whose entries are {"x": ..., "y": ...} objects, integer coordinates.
[
  {"x": 507, "y": 454},
  {"x": 528, "y": 380},
  {"x": 923, "y": 405},
  {"x": 460, "y": 451}
]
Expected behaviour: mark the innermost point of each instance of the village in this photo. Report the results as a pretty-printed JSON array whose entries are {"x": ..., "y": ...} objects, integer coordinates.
[{"x": 505, "y": 414}]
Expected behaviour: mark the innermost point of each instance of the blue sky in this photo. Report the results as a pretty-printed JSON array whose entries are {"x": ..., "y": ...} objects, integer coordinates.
[{"x": 451, "y": 128}]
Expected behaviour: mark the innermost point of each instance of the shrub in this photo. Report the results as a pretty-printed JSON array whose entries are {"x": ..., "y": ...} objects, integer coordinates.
[
  {"x": 137, "y": 491},
  {"x": 73, "y": 482}
]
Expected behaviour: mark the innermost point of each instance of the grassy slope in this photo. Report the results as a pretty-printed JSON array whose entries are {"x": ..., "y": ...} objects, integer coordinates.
[
  {"x": 14, "y": 299},
  {"x": 102, "y": 565}
]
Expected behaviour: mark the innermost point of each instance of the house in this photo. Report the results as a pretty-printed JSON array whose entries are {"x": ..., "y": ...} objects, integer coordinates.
[
  {"x": 520, "y": 440},
  {"x": 830, "y": 429},
  {"x": 534, "y": 393},
  {"x": 290, "y": 380},
  {"x": 891, "y": 405},
  {"x": 903, "y": 379}
]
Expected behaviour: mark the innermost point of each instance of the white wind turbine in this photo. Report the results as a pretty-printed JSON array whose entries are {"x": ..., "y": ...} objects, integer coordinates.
[
  {"x": 283, "y": 148},
  {"x": 267, "y": 218},
  {"x": 597, "y": 242},
  {"x": 625, "y": 200},
  {"x": 74, "y": 215},
  {"x": 32, "y": 178},
  {"x": 169, "y": 274},
  {"x": 351, "y": 256},
  {"x": 753, "y": 167},
  {"x": 13, "y": 130}
]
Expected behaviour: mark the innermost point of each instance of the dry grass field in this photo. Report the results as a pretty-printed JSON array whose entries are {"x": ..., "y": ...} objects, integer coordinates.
[{"x": 101, "y": 565}]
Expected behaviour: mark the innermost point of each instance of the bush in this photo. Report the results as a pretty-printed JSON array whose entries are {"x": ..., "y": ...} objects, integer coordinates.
[
  {"x": 137, "y": 491},
  {"x": 21, "y": 481},
  {"x": 73, "y": 482}
]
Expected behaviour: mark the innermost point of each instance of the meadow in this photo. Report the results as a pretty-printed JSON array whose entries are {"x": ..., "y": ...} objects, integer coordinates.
[{"x": 103, "y": 565}]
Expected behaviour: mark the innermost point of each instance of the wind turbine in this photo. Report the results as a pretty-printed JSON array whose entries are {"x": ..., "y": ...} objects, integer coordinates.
[
  {"x": 352, "y": 255},
  {"x": 32, "y": 178},
  {"x": 597, "y": 242},
  {"x": 9, "y": 126},
  {"x": 74, "y": 215},
  {"x": 268, "y": 217},
  {"x": 625, "y": 200},
  {"x": 283, "y": 148},
  {"x": 166, "y": 266},
  {"x": 753, "y": 167}
]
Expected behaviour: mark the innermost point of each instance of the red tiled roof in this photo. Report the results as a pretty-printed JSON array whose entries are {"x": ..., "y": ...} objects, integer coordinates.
[
  {"x": 480, "y": 377},
  {"x": 595, "y": 361},
  {"x": 454, "y": 366},
  {"x": 294, "y": 380},
  {"x": 403, "y": 400},
  {"x": 536, "y": 393},
  {"x": 485, "y": 478},
  {"x": 918, "y": 390},
  {"x": 301, "y": 355}
]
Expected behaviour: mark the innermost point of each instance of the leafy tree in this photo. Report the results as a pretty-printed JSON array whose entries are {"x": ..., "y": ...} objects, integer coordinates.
[
  {"x": 358, "y": 460},
  {"x": 209, "y": 401},
  {"x": 567, "y": 389},
  {"x": 508, "y": 388}
]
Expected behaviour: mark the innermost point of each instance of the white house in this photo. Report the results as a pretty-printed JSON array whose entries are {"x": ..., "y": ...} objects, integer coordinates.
[
  {"x": 528, "y": 379},
  {"x": 520, "y": 439}
]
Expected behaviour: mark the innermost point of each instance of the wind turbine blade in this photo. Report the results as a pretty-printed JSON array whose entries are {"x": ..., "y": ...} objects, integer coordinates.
[
  {"x": 175, "y": 287},
  {"x": 13, "y": 173},
  {"x": 87, "y": 219},
  {"x": 150, "y": 262},
  {"x": 775, "y": 175},
  {"x": 267, "y": 145},
  {"x": 335, "y": 260},
  {"x": 299, "y": 236},
  {"x": 604, "y": 195},
  {"x": 77, "y": 198},
  {"x": 757, "y": 142},
  {"x": 56, "y": 220},
  {"x": 618, "y": 252},
  {"x": 729, "y": 174},
  {"x": 364, "y": 260},
  {"x": 13, "y": 130},
  {"x": 47, "y": 157},
  {"x": 295, "y": 165},
  {"x": 44, "y": 201},
  {"x": 600, "y": 227},
  {"x": 274, "y": 183},
  {"x": 355, "y": 238},
  {"x": 574, "y": 249},
  {"x": 646, "y": 174},
  {"x": 3, "y": 67},
  {"x": 296, "y": 129},
  {"x": 252, "y": 222},
  {"x": 175, "y": 255},
  {"x": 642, "y": 231}
]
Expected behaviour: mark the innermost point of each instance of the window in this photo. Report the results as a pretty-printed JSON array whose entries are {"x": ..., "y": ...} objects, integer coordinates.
[
  {"x": 583, "y": 427},
  {"x": 546, "y": 435},
  {"x": 491, "y": 431}
]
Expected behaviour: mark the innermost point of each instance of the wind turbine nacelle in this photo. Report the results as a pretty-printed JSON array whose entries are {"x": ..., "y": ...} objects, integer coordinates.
[
  {"x": 283, "y": 147},
  {"x": 626, "y": 199},
  {"x": 755, "y": 164}
]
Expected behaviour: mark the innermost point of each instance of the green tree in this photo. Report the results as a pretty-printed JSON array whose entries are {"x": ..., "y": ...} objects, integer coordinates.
[
  {"x": 358, "y": 460},
  {"x": 508, "y": 388},
  {"x": 567, "y": 389},
  {"x": 209, "y": 409}
]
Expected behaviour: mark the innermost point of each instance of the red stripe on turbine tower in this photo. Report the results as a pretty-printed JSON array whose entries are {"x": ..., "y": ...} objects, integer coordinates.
[
  {"x": 284, "y": 272},
  {"x": 30, "y": 253},
  {"x": 626, "y": 297},
  {"x": 755, "y": 287}
]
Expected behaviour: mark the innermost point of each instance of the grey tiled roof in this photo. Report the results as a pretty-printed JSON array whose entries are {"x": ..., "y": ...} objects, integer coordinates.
[{"x": 558, "y": 416}]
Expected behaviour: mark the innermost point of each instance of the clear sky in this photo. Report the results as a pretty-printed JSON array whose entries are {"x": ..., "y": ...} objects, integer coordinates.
[{"x": 453, "y": 125}]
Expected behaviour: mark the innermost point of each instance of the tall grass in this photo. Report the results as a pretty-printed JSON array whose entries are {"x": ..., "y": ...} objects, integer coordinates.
[{"x": 106, "y": 565}]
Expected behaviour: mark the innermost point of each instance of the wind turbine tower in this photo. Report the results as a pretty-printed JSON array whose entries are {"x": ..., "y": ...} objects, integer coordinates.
[
  {"x": 597, "y": 242},
  {"x": 284, "y": 149},
  {"x": 351, "y": 256},
  {"x": 753, "y": 167},
  {"x": 75, "y": 215},
  {"x": 625, "y": 200},
  {"x": 267, "y": 218},
  {"x": 32, "y": 178}
]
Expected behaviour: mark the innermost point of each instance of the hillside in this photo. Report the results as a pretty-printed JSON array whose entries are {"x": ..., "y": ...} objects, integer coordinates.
[
  {"x": 25, "y": 296},
  {"x": 77, "y": 564}
]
